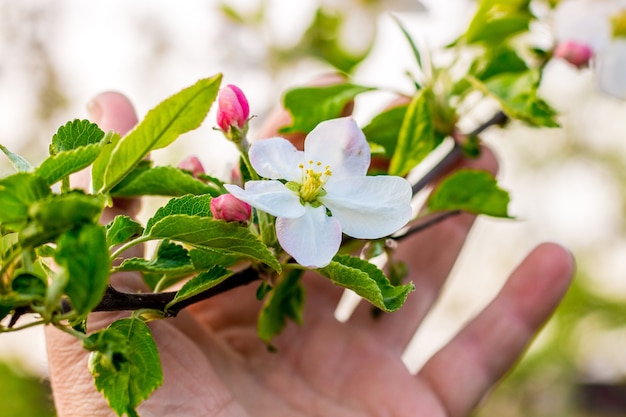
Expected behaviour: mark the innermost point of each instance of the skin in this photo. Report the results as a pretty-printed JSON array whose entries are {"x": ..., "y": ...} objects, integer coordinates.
[{"x": 215, "y": 365}]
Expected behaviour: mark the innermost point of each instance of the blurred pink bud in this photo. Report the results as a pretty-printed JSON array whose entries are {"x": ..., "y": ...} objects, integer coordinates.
[
  {"x": 233, "y": 110},
  {"x": 230, "y": 208},
  {"x": 576, "y": 53},
  {"x": 193, "y": 164}
]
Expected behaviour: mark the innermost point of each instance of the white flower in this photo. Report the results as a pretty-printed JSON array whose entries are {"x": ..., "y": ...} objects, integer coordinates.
[
  {"x": 593, "y": 23},
  {"x": 321, "y": 192}
]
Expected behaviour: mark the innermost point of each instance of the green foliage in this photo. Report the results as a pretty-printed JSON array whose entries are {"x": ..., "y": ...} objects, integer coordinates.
[
  {"x": 166, "y": 181},
  {"x": 189, "y": 204},
  {"x": 74, "y": 135},
  {"x": 63, "y": 163},
  {"x": 497, "y": 20},
  {"x": 417, "y": 136},
  {"x": 517, "y": 94},
  {"x": 322, "y": 39},
  {"x": 23, "y": 394},
  {"x": 311, "y": 105},
  {"x": 199, "y": 284},
  {"x": 216, "y": 235},
  {"x": 17, "y": 193},
  {"x": 19, "y": 163},
  {"x": 176, "y": 115},
  {"x": 366, "y": 280},
  {"x": 384, "y": 129},
  {"x": 126, "y": 365},
  {"x": 169, "y": 257},
  {"x": 285, "y": 301},
  {"x": 472, "y": 191},
  {"x": 82, "y": 255},
  {"x": 122, "y": 229}
]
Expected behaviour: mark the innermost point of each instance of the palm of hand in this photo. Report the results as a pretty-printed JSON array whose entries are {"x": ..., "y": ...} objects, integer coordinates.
[{"x": 325, "y": 368}]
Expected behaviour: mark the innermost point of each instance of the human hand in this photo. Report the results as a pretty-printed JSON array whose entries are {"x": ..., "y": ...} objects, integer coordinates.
[{"x": 215, "y": 365}]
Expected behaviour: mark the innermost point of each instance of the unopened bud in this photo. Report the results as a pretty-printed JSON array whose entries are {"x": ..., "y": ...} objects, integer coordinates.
[
  {"x": 193, "y": 164},
  {"x": 233, "y": 109},
  {"x": 576, "y": 53},
  {"x": 230, "y": 208}
]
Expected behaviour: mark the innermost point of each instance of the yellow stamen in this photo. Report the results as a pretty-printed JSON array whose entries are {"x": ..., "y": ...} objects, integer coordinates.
[{"x": 313, "y": 180}]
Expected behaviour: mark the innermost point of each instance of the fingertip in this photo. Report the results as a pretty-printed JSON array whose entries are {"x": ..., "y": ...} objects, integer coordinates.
[
  {"x": 112, "y": 111},
  {"x": 556, "y": 261}
]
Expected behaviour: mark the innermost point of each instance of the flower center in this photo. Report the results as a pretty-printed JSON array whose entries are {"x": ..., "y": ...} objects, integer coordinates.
[{"x": 313, "y": 179}]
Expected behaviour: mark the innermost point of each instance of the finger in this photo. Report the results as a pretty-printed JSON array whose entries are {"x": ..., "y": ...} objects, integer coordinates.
[
  {"x": 430, "y": 256},
  {"x": 467, "y": 367},
  {"x": 113, "y": 111}
]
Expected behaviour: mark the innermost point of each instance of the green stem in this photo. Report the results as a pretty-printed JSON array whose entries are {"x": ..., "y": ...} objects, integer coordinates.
[
  {"x": 65, "y": 185},
  {"x": 26, "y": 326},
  {"x": 129, "y": 245}
]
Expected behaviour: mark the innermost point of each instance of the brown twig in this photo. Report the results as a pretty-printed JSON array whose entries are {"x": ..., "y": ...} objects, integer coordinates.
[{"x": 114, "y": 300}]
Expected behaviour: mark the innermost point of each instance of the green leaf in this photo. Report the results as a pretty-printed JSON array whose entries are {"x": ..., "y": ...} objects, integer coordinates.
[
  {"x": 199, "y": 284},
  {"x": 67, "y": 210},
  {"x": 121, "y": 229},
  {"x": 284, "y": 302},
  {"x": 75, "y": 134},
  {"x": 19, "y": 163},
  {"x": 164, "y": 180},
  {"x": 64, "y": 163},
  {"x": 417, "y": 136},
  {"x": 169, "y": 257},
  {"x": 409, "y": 38},
  {"x": 58, "y": 213},
  {"x": 27, "y": 283},
  {"x": 312, "y": 105},
  {"x": 497, "y": 20},
  {"x": 17, "y": 193},
  {"x": 498, "y": 60},
  {"x": 517, "y": 94},
  {"x": 207, "y": 233},
  {"x": 189, "y": 204},
  {"x": 323, "y": 39},
  {"x": 472, "y": 191},
  {"x": 162, "y": 125},
  {"x": 384, "y": 129},
  {"x": 206, "y": 258},
  {"x": 126, "y": 374},
  {"x": 109, "y": 143},
  {"x": 366, "y": 280},
  {"x": 84, "y": 256}
]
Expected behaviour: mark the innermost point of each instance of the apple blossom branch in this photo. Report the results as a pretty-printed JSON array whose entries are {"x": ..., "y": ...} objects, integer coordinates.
[{"x": 114, "y": 300}]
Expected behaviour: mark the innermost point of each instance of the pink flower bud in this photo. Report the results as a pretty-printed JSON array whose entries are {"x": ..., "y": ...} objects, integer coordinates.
[
  {"x": 193, "y": 164},
  {"x": 230, "y": 208},
  {"x": 233, "y": 110},
  {"x": 577, "y": 54}
]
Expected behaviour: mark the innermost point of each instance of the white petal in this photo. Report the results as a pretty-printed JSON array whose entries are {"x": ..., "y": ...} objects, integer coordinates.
[
  {"x": 611, "y": 67},
  {"x": 340, "y": 144},
  {"x": 269, "y": 196},
  {"x": 276, "y": 158},
  {"x": 584, "y": 21},
  {"x": 312, "y": 239},
  {"x": 369, "y": 207}
]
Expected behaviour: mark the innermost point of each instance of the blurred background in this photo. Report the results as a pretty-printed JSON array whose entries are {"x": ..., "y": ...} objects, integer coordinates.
[{"x": 567, "y": 185}]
